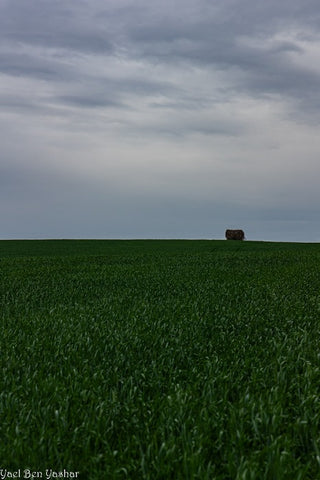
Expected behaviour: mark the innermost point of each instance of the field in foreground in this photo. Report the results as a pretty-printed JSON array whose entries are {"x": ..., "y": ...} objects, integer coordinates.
[{"x": 161, "y": 359}]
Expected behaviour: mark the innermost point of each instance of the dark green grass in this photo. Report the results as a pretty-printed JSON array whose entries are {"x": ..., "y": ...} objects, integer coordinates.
[{"x": 161, "y": 359}]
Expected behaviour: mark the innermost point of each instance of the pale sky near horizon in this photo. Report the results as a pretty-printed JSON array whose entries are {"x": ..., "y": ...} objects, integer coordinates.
[{"x": 171, "y": 119}]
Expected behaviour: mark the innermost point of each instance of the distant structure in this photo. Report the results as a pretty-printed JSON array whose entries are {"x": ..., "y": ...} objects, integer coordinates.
[{"x": 235, "y": 235}]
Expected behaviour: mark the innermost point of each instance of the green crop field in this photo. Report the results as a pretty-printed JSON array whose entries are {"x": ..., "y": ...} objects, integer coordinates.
[{"x": 160, "y": 359}]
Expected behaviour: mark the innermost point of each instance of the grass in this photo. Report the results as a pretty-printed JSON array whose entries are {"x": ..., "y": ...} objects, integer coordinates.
[{"x": 161, "y": 359}]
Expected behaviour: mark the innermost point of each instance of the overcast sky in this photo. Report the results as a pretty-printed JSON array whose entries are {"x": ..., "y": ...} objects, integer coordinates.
[{"x": 171, "y": 119}]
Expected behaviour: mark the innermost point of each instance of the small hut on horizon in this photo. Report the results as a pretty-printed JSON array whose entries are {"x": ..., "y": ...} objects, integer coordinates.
[{"x": 235, "y": 235}]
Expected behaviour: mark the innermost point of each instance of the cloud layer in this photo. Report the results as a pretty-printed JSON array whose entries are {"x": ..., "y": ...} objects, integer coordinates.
[{"x": 159, "y": 119}]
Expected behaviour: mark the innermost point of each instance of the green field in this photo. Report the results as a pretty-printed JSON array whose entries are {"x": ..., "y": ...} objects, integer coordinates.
[{"x": 161, "y": 359}]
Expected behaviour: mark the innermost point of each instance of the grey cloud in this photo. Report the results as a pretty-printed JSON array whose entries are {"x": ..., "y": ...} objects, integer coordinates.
[
  {"x": 214, "y": 40},
  {"x": 106, "y": 92},
  {"x": 23, "y": 65},
  {"x": 286, "y": 46},
  {"x": 53, "y": 24},
  {"x": 207, "y": 34},
  {"x": 193, "y": 125},
  {"x": 133, "y": 86},
  {"x": 88, "y": 101}
]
